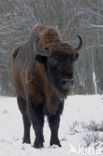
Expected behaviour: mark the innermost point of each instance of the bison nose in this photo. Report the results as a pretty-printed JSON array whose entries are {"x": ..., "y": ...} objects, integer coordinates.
[{"x": 67, "y": 82}]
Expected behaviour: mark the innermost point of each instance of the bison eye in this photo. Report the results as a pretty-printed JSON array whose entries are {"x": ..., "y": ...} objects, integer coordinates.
[
  {"x": 46, "y": 48},
  {"x": 52, "y": 62},
  {"x": 76, "y": 56}
]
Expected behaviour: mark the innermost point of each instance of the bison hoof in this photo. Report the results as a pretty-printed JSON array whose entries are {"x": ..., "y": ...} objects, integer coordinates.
[
  {"x": 54, "y": 141},
  {"x": 38, "y": 144},
  {"x": 26, "y": 141}
]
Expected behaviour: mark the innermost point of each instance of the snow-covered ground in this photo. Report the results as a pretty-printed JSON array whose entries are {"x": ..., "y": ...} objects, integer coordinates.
[{"x": 80, "y": 130}]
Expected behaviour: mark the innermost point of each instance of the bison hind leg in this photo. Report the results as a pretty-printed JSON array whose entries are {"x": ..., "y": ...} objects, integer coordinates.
[
  {"x": 27, "y": 124},
  {"x": 26, "y": 121}
]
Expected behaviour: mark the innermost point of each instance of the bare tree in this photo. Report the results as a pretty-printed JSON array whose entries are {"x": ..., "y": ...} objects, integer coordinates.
[{"x": 72, "y": 17}]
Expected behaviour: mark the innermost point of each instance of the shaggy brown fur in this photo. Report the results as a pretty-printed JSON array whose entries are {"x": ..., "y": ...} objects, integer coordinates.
[
  {"x": 14, "y": 53},
  {"x": 42, "y": 82},
  {"x": 47, "y": 35}
]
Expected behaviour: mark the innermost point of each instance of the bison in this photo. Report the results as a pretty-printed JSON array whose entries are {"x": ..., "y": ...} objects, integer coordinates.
[{"x": 43, "y": 75}]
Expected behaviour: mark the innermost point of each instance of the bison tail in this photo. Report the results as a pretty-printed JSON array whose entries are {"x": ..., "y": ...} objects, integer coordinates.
[{"x": 14, "y": 53}]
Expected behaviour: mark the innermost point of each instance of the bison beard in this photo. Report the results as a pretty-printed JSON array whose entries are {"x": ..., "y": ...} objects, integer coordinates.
[{"x": 43, "y": 74}]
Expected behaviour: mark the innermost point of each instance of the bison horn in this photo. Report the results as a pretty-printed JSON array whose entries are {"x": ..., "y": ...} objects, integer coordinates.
[
  {"x": 80, "y": 44},
  {"x": 39, "y": 51}
]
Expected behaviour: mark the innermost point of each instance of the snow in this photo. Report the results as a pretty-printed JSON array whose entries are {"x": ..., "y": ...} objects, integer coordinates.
[
  {"x": 95, "y": 26},
  {"x": 95, "y": 82},
  {"x": 78, "y": 109}
]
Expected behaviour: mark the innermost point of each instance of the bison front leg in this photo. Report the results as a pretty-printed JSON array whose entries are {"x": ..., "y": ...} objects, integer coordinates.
[
  {"x": 37, "y": 119},
  {"x": 54, "y": 126},
  {"x": 38, "y": 122}
]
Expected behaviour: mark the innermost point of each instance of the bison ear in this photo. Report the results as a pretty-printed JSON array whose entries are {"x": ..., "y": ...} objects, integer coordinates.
[{"x": 76, "y": 56}]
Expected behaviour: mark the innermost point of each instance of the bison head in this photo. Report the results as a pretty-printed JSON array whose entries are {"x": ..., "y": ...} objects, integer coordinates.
[{"x": 58, "y": 59}]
